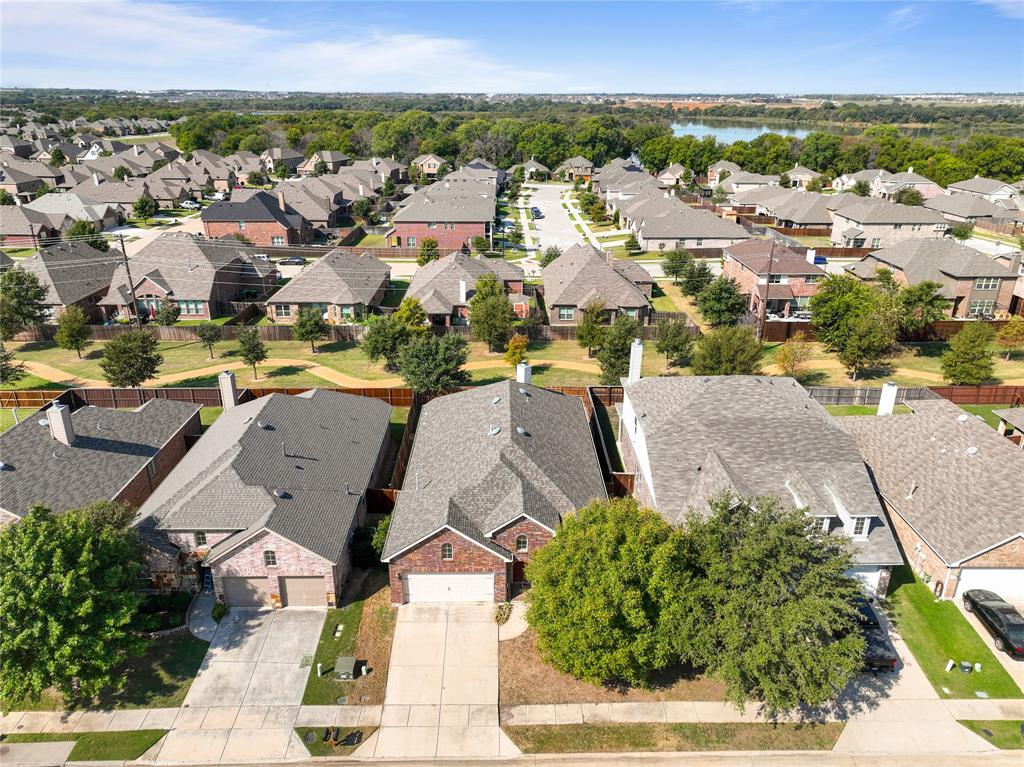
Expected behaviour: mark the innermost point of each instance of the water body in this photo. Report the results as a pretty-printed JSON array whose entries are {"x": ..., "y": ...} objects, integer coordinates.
[{"x": 727, "y": 133}]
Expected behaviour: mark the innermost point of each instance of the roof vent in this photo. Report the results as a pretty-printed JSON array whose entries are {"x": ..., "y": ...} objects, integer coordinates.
[
  {"x": 43, "y": 422},
  {"x": 522, "y": 432},
  {"x": 972, "y": 450},
  {"x": 962, "y": 418},
  {"x": 3, "y": 466},
  {"x": 524, "y": 392},
  {"x": 264, "y": 425},
  {"x": 493, "y": 431},
  {"x": 280, "y": 493}
]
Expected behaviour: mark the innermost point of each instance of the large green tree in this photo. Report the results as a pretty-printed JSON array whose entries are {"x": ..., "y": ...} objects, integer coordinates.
[
  {"x": 131, "y": 358},
  {"x": 22, "y": 302},
  {"x": 68, "y": 595},
  {"x": 675, "y": 341},
  {"x": 721, "y": 302},
  {"x": 593, "y": 600},
  {"x": 85, "y": 231},
  {"x": 251, "y": 348},
  {"x": 429, "y": 363},
  {"x": 490, "y": 320},
  {"x": 730, "y": 350},
  {"x": 11, "y": 371},
  {"x": 968, "y": 360},
  {"x": 384, "y": 338},
  {"x": 309, "y": 326},
  {"x": 697, "y": 277},
  {"x": 676, "y": 264},
  {"x": 869, "y": 341},
  {"x": 591, "y": 330},
  {"x": 73, "y": 331},
  {"x": 614, "y": 354},
  {"x": 921, "y": 305},
  {"x": 839, "y": 300}
]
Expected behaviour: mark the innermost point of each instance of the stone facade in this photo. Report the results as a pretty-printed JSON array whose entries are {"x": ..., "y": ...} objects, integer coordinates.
[
  {"x": 449, "y": 236},
  {"x": 467, "y": 557}
]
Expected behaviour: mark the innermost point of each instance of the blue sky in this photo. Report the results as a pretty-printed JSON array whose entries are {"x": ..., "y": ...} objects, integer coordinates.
[{"x": 729, "y": 46}]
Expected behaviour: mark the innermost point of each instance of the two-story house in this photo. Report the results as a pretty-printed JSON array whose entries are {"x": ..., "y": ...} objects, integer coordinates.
[
  {"x": 879, "y": 224},
  {"x": 584, "y": 275},
  {"x": 262, "y": 218},
  {"x": 773, "y": 277}
]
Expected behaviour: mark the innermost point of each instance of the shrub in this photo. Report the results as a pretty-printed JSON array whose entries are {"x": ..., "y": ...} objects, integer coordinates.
[
  {"x": 219, "y": 611},
  {"x": 502, "y": 613}
]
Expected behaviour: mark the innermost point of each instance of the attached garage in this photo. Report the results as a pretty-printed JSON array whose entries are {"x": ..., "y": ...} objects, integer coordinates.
[
  {"x": 449, "y": 587},
  {"x": 244, "y": 593},
  {"x": 1007, "y": 582},
  {"x": 303, "y": 591}
]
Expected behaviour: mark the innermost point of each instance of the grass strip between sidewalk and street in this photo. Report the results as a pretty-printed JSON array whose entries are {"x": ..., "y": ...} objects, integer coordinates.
[
  {"x": 703, "y": 736},
  {"x": 1007, "y": 734},
  {"x": 120, "y": 746}
]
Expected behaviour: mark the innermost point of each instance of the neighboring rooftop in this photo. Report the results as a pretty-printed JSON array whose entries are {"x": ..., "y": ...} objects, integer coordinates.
[
  {"x": 71, "y": 271},
  {"x": 338, "y": 278},
  {"x": 942, "y": 261},
  {"x": 583, "y": 274},
  {"x": 762, "y": 256}
]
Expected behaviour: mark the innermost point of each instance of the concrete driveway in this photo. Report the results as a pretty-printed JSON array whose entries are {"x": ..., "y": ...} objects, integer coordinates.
[
  {"x": 442, "y": 693},
  {"x": 556, "y": 228}
]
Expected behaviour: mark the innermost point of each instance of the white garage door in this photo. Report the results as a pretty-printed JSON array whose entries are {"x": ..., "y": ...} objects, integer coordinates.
[
  {"x": 246, "y": 592},
  {"x": 1007, "y": 582},
  {"x": 868, "y": 577},
  {"x": 303, "y": 591},
  {"x": 449, "y": 587}
]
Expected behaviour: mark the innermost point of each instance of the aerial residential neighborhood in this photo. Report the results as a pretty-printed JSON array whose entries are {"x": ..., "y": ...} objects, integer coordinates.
[{"x": 415, "y": 383}]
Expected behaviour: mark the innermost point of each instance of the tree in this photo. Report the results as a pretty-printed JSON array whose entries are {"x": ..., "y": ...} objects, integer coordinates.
[
  {"x": 593, "y": 594},
  {"x": 22, "y": 302},
  {"x": 251, "y": 348},
  {"x": 209, "y": 333},
  {"x": 256, "y": 178},
  {"x": 167, "y": 314},
  {"x": 1011, "y": 336},
  {"x": 480, "y": 244},
  {"x": 11, "y": 371},
  {"x": 839, "y": 300},
  {"x": 121, "y": 173},
  {"x": 319, "y": 168},
  {"x": 719, "y": 196},
  {"x": 549, "y": 255},
  {"x": 861, "y": 189},
  {"x": 696, "y": 278},
  {"x": 793, "y": 356},
  {"x": 721, "y": 302},
  {"x": 727, "y": 351},
  {"x": 816, "y": 184},
  {"x": 677, "y": 264},
  {"x": 384, "y": 338},
  {"x": 785, "y": 181},
  {"x": 410, "y": 313},
  {"x": 675, "y": 341},
  {"x": 631, "y": 244},
  {"x": 145, "y": 207},
  {"x": 380, "y": 535},
  {"x": 968, "y": 360},
  {"x": 490, "y": 319},
  {"x": 614, "y": 353},
  {"x": 309, "y": 326},
  {"x": 281, "y": 170},
  {"x": 57, "y": 158},
  {"x": 869, "y": 341},
  {"x": 430, "y": 363},
  {"x": 363, "y": 209},
  {"x": 388, "y": 189},
  {"x": 756, "y": 590},
  {"x": 73, "y": 330},
  {"x": 591, "y": 330},
  {"x": 486, "y": 287},
  {"x": 6, "y": 198},
  {"x": 84, "y": 231},
  {"x": 921, "y": 305},
  {"x": 515, "y": 350},
  {"x": 962, "y": 232},
  {"x": 131, "y": 358},
  {"x": 909, "y": 196},
  {"x": 428, "y": 252}
]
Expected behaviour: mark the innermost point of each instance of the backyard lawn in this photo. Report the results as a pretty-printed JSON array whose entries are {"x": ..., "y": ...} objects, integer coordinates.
[
  {"x": 120, "y": 746},
  {"x": 372, "y": 241},
  {"x": 986, "y": 412},
  {"x": 7, "y": 417},
  {"x": 31, "y": 383},
  {"x": 864, "y": 409},
  {"x": 368, "y": 624},
  {"x": 397, "y": 288},
  {"x": 1005, "y": 733},
  {"x": 618, "y": 738},
  {"x": 936, "y": 632}
]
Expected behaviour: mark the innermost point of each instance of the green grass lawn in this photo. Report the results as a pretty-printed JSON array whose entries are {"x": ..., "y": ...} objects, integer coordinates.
[
  {"x": 31, "y": 383},
  {"x": 7, "y": 417},
  {"x": 19, "y": 252},
  {"x": 936, "y": 632},
  {"x": 192, "y": 323},
  {"x": 371, "y": 241},
  {"x": 543, "y": 375},
  {"x": 208, "y": 414},
  {"x": 986, "y": 412},
  {"x": 319, "y": 748},
  {"x": 864, "y": 409},
  {"x": 661, "y": 301},
  {"x": 618, "y": 738},
  {"x": 120, "y": 746},
  {"x": 1006, "y": 733},
  {"x": 397, "y": 288}
]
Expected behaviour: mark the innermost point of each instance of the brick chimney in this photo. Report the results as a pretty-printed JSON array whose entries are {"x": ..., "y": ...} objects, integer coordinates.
[
  {"x": 59, "y": 417},
  {"x": 280, "y": 201}
]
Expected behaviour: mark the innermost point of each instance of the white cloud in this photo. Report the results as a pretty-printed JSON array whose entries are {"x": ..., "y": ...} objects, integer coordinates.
[
  {"x": 152, "y": 45},
  {"x": 904, "y": 17},
  {"x": 1014, "y": 9}
]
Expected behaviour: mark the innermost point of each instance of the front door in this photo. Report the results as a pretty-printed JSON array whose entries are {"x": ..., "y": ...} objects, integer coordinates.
[{"x": 518, "y": 571}]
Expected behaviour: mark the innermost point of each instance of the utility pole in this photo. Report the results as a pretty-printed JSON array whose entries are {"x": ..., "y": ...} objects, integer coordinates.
[
  {"x": 131, "y": 283},
  {"x": 763, "y": 307}
]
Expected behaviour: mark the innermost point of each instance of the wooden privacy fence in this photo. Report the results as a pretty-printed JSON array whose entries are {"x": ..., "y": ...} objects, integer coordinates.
[
  {"x": 776, "y": 331},
  {"x": 1001, "y": 226},
  {"x": 803, "y": 231},
  {"x": 1011, "y": 396},
  {"x": 865, "y": 395}
]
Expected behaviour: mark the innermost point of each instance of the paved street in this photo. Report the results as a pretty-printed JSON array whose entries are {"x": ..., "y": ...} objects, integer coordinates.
[{"x": 556, "y": 228}]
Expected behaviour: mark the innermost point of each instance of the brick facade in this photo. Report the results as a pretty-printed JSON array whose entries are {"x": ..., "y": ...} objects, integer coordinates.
[
  {"x": 257, "y": 232},
  {"x": 630, "y": 464},
  {"x": 467, "y": 557},
  {"x": 292, "y": 559},
  {"x": 448, "y": 236},
  {"x": 536, "y": 537},
  {"x": 1010, "y": 554},
  {"x": 748, "y": 281},
  {"x": 141, "y": 486}
]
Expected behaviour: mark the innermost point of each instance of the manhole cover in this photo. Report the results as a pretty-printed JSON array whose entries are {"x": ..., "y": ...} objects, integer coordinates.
[{"x": 341, "y": 700}]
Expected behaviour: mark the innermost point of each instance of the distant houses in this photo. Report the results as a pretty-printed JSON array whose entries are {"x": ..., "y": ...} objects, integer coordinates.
[
  {"x": 584, "y": 276},
  {"x": 341, "y": 287}
]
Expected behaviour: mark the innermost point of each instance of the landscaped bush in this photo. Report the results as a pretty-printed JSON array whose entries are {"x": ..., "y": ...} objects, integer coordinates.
[
  {"x": 502, "y": 613},
  {"x": 219, "y": 611},
  {"x": 163, "y": 611}
]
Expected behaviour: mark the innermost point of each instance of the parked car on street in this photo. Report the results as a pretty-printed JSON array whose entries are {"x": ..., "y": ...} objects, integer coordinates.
[
  {"x": 1000, "y": 618},
  {"x": 536, "y": 213},
  {"x": 292, "y": 261},
  {"x": 191, "y": 205}
]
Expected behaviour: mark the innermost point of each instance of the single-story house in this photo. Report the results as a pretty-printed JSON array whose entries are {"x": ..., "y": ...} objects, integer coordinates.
[
  {"x": 268, "y": 499},
  {"x": 769, "y": 273},
  {"x": 19, "y": 225},
  {"x": 65, "y": 460},
  {"x": 742, "y": 181},
  {"x": 970, "y": 208},
  {"x": 100, "y": 215},
  {"x": 445, "y": 286},
  {"x": 691, "y": 438},
  {"x": 1005, "y": 195},
  {"x": 20, "y": 185},
  {"x": 665, "y": 223},
  {"x": 952, "y": 487},
  {"x": 583, "y": 275},
  {"x": 847, "y": 181},
  {"x": 74, "y": 274},
  {"x": 493, "y": 472},
  {"x": 290, "y": 158},
  {"x": 533, "y": 170},
  {"x": 342, "y": 286}
]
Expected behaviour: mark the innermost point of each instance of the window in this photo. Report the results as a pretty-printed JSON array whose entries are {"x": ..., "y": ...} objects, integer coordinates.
[
  {"x": 522, "y": 544},
  {"x": 270, "y": 558},
  {"x": 565, "y": 313},
  {"x": 897, "y": 227},
  {"x": 410, "y": 241},
  {"x": 447, "y": 552},
  {"x": 700, "y": 243},
  {"x": 860, "y": 526},
  {"x": 433, "y": 225},
  {"x": 774, "y": 279},
  {"x": 282, "y": 310},
  {"x": 277, "y": 241},
  {"x": 876, "y": 242},
  {"x": 986, "y": 283},
  {"x": 811, "y": 279},
  {"x": 200, "y": 539},
  {"x": 981, "y": 308},
  {"x": 241, "y": 226}
]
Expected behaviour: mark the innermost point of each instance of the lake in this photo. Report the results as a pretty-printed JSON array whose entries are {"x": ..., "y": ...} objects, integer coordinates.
[{"x": 726, "y": 133}]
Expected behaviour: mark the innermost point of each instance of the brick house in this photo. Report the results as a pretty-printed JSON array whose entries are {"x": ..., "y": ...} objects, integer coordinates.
[
  {"x": 584, "y": 274},
  {"x": 1006, "y": 196},
  {"x": 24, "y": 227},
  {"x": 333, "y": 160},
  {"x": 445, "y": 286},
  {"x": 879, "y": 224},
  {"x": 19, "y": 184},
  {"x": 887, "y": 187},
  {"x": 493, "y": 472},
  {"x": 690, "y": 438},
  {"x": 74, "y": 274},
  {"x": 268, "y": 499},
  {"x": 800, "y": 177},
  {"x": 428, "y": 164},
  {"x": 344, "y": 287},
  {"x": 65, "y": 460},
  {"x": 976, "y": 285},
  {"x": 574, "y": 168},
  {"x": 767, "y": 271},
  {"x": 262, "y": 218},
  {"x": 450, "y": 212},
  {"x": 952, "y": 487},
  {"x": 200, "y": 276},
  {"x": 661, "y": 222}
]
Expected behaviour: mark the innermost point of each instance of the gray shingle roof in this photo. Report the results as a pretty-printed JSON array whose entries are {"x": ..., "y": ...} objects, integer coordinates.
[
  {"x": 312, "y": 447},
  {"x": 582, "y": 274},
  {"x": 661, "y": 218},
  {"x": 436, "y": 285},
  {"x": 961, "y": 502},
  {"x": 754, "y": 435},
  {"x": 756, "y": 254},
  {"x": 454, "y": 203},
  {"x": 261, "y": 206},
  {"x": 72, "y": 271},
  {"x": 979, "y": 185},
  {"x": 337, "y": 278},
  {"x": 941, "y": 261},
  {"x": 462, "y": 476},
  {"x": 877, "y": 212},
  {"x": 965, "y": 206},
  {"x": 1013, "y": 416},
  {"x": 111, "y": 447}
]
